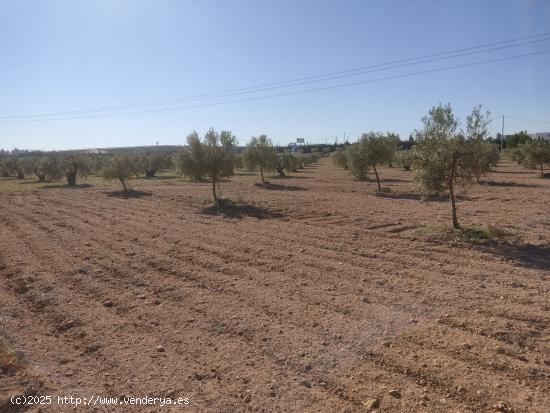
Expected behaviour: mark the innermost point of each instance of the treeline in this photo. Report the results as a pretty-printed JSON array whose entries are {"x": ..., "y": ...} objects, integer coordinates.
[{"x": 443, "y": 154}]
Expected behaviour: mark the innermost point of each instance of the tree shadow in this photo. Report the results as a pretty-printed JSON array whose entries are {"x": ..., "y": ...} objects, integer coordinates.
[
  {"x": 278, "y": 187},
  {"x": 393, "y": 180},
  {"x": 527, "y": 255},
  {"x": 128, "y": 194},
  {"x": 244, "y": 173},
  {"x": 417, "y": 197},
  {"x": 228, "y": 209},
  {"x": 510, "y": 184},
  {"x": 65, "y": 186}
]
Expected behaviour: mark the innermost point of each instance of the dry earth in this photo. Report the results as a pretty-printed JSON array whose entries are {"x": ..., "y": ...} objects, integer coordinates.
[{"x": 311, "y": 299}]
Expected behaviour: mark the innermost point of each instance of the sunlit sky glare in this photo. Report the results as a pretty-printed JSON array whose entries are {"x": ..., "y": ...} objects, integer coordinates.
[{"x": 59, "y": 56}]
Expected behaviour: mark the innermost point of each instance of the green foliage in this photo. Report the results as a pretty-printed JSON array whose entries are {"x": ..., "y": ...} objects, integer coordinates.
[
  {"x": 372, "y": 150},
  {"x": 340, "y": 158},
  {"x": 535, "y": 155},
  {"x": 47, "y": 168},
  {"x": 213, "y": 156},
  {"x": 260, "y": 153},
  {"x": 151, "y": 163},
  {"x": 73, "y": 166},
  {"x": 392, "y": 141},
  {"x": 286, "y": 162},
  {"x": 516, "y": 154},
  {"x": 121, "y": 168},
  {"x": 404, "y": 158},
  {"x": 191, "y": 162},
  {"x": 484, "y": 154},
  {"x": 517, "y": 139}
]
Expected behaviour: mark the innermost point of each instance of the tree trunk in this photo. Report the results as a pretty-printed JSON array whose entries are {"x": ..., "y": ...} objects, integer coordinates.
[
  {"x": 71, "y": 179},
  {"x": 262, "y": 172},
  {"x": 214, "y": 191},
  {"x": 281, "y": 172},
  {"x": 453, "y": 206},
  {"x": 150, "y": 173},
  {"x": 41, "y": 178},
  {"x": 541, "y": 171},
  {"x": 123, "y": 185},
  {"x": 377, "y": 178},
  {"x": 20, "y": 174}
]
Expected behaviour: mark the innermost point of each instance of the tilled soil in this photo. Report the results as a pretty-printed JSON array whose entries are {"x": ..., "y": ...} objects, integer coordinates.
[{"x": 312, "y": 298}]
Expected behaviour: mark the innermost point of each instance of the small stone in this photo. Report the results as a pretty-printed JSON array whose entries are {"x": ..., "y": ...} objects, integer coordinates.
[
  {"x": 160, "y": 349},
  {"x": 365, "y": 300},
  {"x": 306, "y": 384},
  {"x": 395, "y": 393},
  {"x": 108, "y": 303},
  {"x": 198, "y": 376},
  {"x": 371, "y": 404}
]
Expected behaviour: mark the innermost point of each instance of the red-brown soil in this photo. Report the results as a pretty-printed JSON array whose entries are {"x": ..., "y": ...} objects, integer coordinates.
[{"x": 311, "y": 299}]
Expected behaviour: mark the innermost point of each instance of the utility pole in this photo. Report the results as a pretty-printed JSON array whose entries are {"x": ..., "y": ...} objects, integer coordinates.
[{"x": 502, "y": 135}]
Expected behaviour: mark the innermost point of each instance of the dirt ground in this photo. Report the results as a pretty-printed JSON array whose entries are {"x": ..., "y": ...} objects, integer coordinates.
[{"x": 312, "y": 298}]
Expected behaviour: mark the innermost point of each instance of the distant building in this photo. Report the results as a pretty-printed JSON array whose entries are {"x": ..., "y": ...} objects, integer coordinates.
[{"x": 541, "y": 136}]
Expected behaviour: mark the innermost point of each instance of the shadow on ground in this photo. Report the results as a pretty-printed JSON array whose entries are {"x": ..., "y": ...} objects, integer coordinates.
[
  {"x": 240, "y": 211},
  {"x": 278, "y": 187},
  {"x": 526, "y": 255},
  {"x": 128, "y": 194},
  {"x": 510, "y": 184},
  {"x": 417, "y": 197},
  {"x": 65, "y": 186}
]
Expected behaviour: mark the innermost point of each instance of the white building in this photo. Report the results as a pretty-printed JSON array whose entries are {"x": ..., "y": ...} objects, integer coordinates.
[{"x": 541, "y": 136}]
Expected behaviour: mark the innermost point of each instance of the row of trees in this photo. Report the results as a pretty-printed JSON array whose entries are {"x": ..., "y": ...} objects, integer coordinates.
[
  {"x": 532, "y": 155},
  {"x": 215, "y": 156},
  {"x": 442, "y": 157}
]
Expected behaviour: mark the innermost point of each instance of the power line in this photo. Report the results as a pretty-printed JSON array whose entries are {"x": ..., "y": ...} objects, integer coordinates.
[
  {"x": 410, "y": 74},
  {"x": 489, "y": 47},
  {"x": 527, "y": 120}
]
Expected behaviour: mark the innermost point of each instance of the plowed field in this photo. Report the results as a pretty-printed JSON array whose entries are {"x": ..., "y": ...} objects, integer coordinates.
[{"x": 313, "y": 297}]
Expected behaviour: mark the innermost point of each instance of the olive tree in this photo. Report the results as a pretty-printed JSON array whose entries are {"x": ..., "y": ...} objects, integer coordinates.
[
  {"x": 260, "y": 153},
  {"x": 443, "y": 157},
  {"x": 190, "y": 162},
  {"x": 73, "y": 166},
  {"x": 47, "y": 168},
  {"x": 535, "y": 155},
  {"x": 212, "y": 156},
  {"x": 19, "y": 166},
  {"x": 371, "y": 151},
  {"x": 285, "y": 162},
  {"x": 121, "y": 168},
  {"x": 484, "y": 154},
  {"x": 151, "y": 163},
  {"x": 404, "y": 158},
  {"x": 339, "y": 158}
]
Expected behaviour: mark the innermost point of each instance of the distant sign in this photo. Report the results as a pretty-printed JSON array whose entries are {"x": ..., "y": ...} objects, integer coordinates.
[{"x": 299, "y": 140}]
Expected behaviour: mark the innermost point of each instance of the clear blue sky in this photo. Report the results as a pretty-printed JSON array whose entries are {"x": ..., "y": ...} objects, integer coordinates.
[{"x": 59, "y": 56}]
